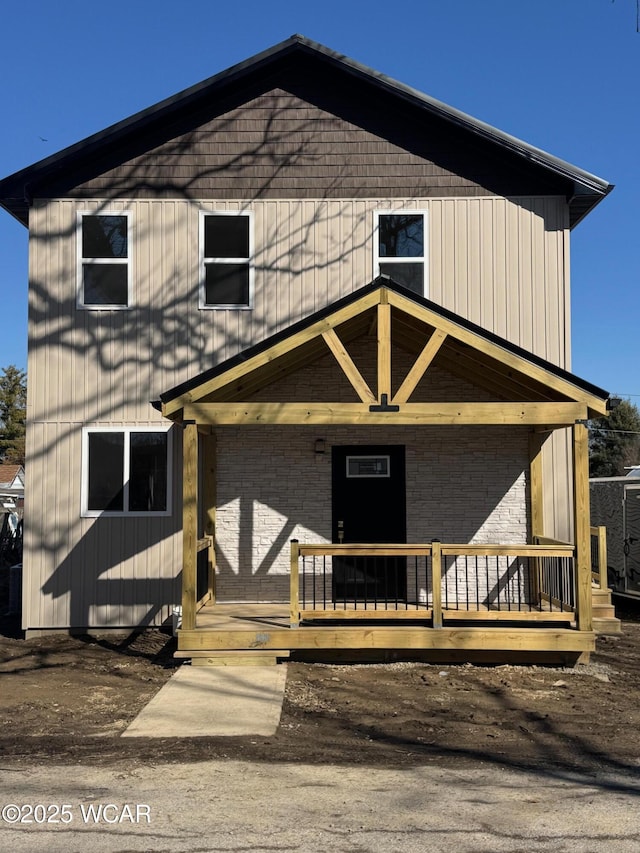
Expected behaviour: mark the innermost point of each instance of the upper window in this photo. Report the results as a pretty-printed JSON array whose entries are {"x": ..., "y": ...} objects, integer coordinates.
[
  {"x": 103, "y": 260},
  {"x": 226, "y": 270},
  {"x": 126, "y": 471},
  {"x": 400, "y": 247}
]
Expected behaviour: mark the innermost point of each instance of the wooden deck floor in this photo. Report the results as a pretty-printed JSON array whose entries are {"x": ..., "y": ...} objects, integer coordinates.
[
  {"x": 247, "y": 627},
  {"x": 235, "y": 616}
]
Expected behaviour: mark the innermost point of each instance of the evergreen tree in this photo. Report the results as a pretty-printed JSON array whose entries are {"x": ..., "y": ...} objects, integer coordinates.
[
  {"x": 13, "y": 410},
  {"x": 614, "y": 441}
]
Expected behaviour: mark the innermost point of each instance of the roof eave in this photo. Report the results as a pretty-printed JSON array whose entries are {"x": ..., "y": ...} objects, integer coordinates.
[{"x": 583, "y": 182}]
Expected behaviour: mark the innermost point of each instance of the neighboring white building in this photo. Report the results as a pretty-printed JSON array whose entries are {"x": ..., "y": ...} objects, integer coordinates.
[{"x": 12, "y": 486}]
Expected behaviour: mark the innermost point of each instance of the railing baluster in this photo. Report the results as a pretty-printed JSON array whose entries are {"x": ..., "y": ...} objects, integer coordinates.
[
  {"x": 466, "y": 579},
  {"x": 294, "y": 616},
  {"x": 550, "y": 581},
  {"x": 366, "y": 579},
  {"x": 436, "y": 579},
  {"x": 445, "y": 566},
  {"x": 455, "y": 581},
  {"x": 486, "y": 572},
  {"x": 324, "y": 581},
  {"x": 344, "y": 586},
  {"x": 395, "y": 580},
  {"x": 507, "y": 585},
  {"x": 313, "y": 581}
]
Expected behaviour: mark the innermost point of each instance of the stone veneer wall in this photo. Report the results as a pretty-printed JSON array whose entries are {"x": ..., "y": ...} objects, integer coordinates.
[{"x": 464, "y": 484}]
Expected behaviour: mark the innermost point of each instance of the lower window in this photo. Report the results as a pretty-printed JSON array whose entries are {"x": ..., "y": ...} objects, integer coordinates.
[{"x": 126, "y": 471}]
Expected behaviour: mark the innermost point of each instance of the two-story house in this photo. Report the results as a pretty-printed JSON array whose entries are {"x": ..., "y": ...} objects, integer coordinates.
[{"x": 299, "y": 361}]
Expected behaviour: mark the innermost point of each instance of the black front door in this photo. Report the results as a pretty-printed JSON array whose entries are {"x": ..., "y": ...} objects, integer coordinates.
[{"x": 369, "y": 506}]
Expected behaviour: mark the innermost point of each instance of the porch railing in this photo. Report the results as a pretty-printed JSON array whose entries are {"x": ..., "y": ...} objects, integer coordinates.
[
  {"x": 433, "y": 581},
  {"x": 556, "y": 587},
  {"x": 205, "y": 578},
  {"x": 599, "y": 556}
]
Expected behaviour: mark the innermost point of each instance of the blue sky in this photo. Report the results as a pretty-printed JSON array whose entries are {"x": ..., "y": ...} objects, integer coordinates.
[{"x": 560, "y": 74}]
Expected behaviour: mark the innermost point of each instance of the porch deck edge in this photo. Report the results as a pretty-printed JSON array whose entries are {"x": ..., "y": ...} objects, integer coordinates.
[{"x": 390, "y": 637}]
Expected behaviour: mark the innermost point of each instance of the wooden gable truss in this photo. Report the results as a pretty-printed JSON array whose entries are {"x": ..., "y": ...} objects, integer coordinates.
[{"x": 532, "y": 393}]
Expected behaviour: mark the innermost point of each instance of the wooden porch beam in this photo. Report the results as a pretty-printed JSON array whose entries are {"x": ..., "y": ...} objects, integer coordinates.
[
  {"x": 420, "y": 366},
  {"x": 189, "y": 524},
  {"x": 443, "y": 414},
  {"x": 384, "y": 348},
  {"x": 348, "y": 367},
  {"x": 458, "y": 639},
  {"x": 582, "y": 527}
]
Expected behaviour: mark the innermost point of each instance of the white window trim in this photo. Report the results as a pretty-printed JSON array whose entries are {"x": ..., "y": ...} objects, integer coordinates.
[
  {"x": 80, "y": 303},
  {"x": 377, "y": 258},
  {"x": 203, "y": 304},
  {"x": 127, "y": 430}
]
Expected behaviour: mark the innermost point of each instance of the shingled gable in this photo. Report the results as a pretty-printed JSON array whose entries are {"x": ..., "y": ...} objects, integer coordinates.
[
  {"x": 488, "y": 159},
  {"x": 420, "y": 326}
]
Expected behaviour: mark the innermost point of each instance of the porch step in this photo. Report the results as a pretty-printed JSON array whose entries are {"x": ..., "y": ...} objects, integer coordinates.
[
  {"x": 601, "y": 600},
  {"x": 604, "y": 625},
  {"x": 243, "y": 657},
  {"x": 603, "y": 612}
]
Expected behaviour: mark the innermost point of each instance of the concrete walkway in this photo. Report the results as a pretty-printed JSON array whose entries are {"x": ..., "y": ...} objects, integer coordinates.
[{"x": 210, "y": 701}]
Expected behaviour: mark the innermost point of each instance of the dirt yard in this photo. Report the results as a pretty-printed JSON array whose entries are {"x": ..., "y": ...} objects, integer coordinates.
[{"x": 65, "y": 700}]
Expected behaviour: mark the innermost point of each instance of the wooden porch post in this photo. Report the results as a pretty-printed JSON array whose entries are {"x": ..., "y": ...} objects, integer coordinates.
[
  {"x": 536, "y": 482},
  {"x": 536, "y": 505},
  {"x": 209, "y": 499},
  {"x": 602, "y": 557},
  {"x": 582, "y": 526},
  {"x": 189, "y": 524},
  {"x": 384, "y": 347}
]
